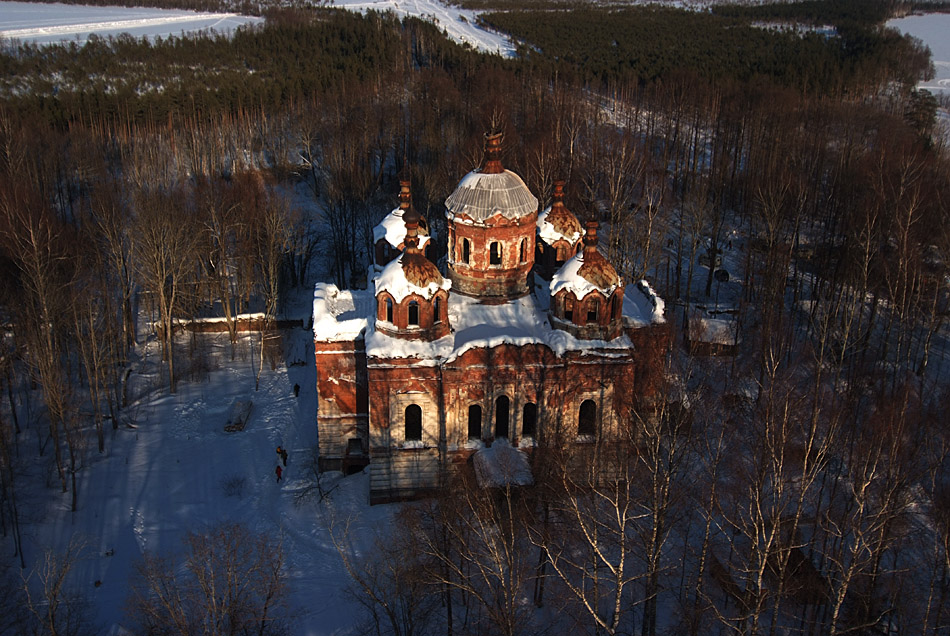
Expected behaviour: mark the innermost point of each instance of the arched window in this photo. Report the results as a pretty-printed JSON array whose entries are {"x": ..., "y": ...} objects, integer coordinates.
[
  {"x": 466, "y": 250},
  {"x": 615, "y": 310},
  {"x": 587, "y": 419},
  {"x": 437, "y": 310},
  {"x": 522, "y": 249},
  {"x": 389, "y": 310},
  {"x": 474, "y": 422},
  {"x": 569, "y": 307},
  {"x": 413, "y": 313},
  {"x": 413, "y": 423},
  {"x": 560, "y": 255},
  {"x": 529, "y": 420},
  {"x": 593, "y": 306},
  {"x": 494, "y": 256},
  {"x": 502, "y": 407}
]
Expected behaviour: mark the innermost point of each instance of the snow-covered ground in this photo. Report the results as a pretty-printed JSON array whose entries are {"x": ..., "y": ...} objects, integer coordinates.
[
  {"x": 932, "y": 29},
  {"x": 171, "y": 468},
  {"x": 459, "y": 24},
  {"x": 48, "y": 23}
]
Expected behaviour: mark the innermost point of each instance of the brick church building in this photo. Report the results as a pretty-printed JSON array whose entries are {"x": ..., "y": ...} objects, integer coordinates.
[{"x": 530, "y": 339}]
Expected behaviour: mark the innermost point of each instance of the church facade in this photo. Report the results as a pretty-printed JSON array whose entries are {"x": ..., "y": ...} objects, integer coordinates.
[{"x": 530, "y": 340}]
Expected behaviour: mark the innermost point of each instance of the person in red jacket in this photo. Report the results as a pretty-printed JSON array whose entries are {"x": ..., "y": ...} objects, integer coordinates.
[{"x": 279, "y": 471}]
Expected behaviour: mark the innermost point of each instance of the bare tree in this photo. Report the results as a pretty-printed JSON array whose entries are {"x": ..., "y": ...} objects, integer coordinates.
[
  {"x": 166, "y": 260},
  {"x": 232, "y": 583}
]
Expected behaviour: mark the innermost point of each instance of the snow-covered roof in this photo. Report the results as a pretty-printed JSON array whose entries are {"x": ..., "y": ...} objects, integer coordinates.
[
  {"x": 518, "y": 322},
  {"x": 410, "y": 274},
  {"x": 720, "y": 331},
  {"x": 556, "y": 222},
  {"x": 598, "y": 275},
  {"x": 339, "y": 316},
  {"x": 642, "y": 306},
  {"x": 393, "y": 229},
  {"x": 501, "y": 465},
  {"x": 481, "y": 195}
]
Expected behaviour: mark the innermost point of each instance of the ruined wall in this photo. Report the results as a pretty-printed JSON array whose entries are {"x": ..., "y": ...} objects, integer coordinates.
[{"x": 342, "y": 400}]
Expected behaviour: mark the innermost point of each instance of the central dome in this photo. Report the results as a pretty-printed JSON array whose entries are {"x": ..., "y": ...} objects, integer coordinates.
[
  {"x": 480, "y": 196},
  {"x": 492, "y": 190}
]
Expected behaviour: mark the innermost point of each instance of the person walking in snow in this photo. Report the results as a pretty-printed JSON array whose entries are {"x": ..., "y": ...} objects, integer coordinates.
[
  {"x": 282, "y": 453},
  {"x": 279, "y": 472}
]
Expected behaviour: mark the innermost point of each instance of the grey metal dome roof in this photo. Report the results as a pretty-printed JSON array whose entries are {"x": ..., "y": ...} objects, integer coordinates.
[{"x": 480, "y": 195}]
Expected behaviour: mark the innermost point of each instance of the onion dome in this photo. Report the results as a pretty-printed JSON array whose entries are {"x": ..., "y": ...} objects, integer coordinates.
[
  {"x": 390, "y": 234},
  {"x": 411, "y": 294},
  {"x": 588, "y": 271},
  {"x": 587, "y": 294},
  {"x": 557, "y": 223},
  {"x": 492, "y": 190}
]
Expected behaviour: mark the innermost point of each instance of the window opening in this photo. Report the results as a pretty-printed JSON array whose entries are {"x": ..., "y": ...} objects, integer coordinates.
[
  {"x": 522, "y": 249},
  {"x": 413, "y": 423},
  {"x": 502, "y": 406},
  {"x": 529, "y": 420},
  {"x": 466, "y": 250},
  {"x": 587, "y": 419},
  {"x": 474, "y": 422},
  {"x": 389, "y": 309},
  {"x": 569, "y": 308},
  {"x": 437, "y": 310},
  {"x": 495, "y": 255},
  {"x": 592, "y": 308},
  {"x": 413, "y": 313},
  {"x": 560, "y": 256}
]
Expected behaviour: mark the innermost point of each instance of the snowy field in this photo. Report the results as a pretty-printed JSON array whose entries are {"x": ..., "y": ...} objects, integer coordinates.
[
  {"x": 48, "y": 23},
  {"x": 934, "y": 31}
]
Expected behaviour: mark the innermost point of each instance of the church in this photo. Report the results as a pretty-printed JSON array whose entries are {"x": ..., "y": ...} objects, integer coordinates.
[{"x": 530, "y": 339}]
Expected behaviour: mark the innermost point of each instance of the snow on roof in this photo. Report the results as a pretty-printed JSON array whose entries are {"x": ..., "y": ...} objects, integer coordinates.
[
  {"x": 551, "y": 228},
  {"x": 480, "y": 196},
  {"x": 517, "y": 322},
  {"x": 394, "y": 280},
  {"x": 339, "y": 316},
  {"x": 501, "y": 465},
  {"x": 570, "y": 277},
  {"x": 720, "y": 331},
  {"x": 393, "y": 229},
  {"x": 642, "y": 306}
]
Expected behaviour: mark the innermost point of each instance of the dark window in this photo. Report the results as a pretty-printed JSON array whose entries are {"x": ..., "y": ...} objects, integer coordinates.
[
  {"x": 494, "y": 257},
  {"x": 529, "y": 420},
  {"x": 502, "y": 405},
  {"x": 592, "y": 308},
  {"x": 437, "y": 310},
  {"x": 413, "y": 423},
  {"x": 569, "y": 308},
  {"x": 474, "y": 422},
  {"x": 466, "y": 250},
  {"x": 587, "y": 419},
  {"x": 413, "y": 312},
  {"x": 389, "y": 309},
  {"x": 615, "y": 310},
  {"x": 522, "y": 249}
]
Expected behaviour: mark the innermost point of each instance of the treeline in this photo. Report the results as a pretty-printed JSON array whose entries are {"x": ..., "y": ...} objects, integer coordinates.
[
  {"x": 646, "y": 44},
  {"x": 295, "y": 55}
]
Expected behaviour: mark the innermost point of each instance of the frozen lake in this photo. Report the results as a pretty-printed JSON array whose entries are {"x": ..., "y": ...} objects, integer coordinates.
[
  {"x": 934, "y": 30},
  {"x": 48, "y": 23}
]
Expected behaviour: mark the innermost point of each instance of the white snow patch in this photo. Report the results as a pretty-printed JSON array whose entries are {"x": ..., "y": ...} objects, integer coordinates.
[
  {"x": 54, "y": 23},
  {"x": 501, "y": 465}
]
